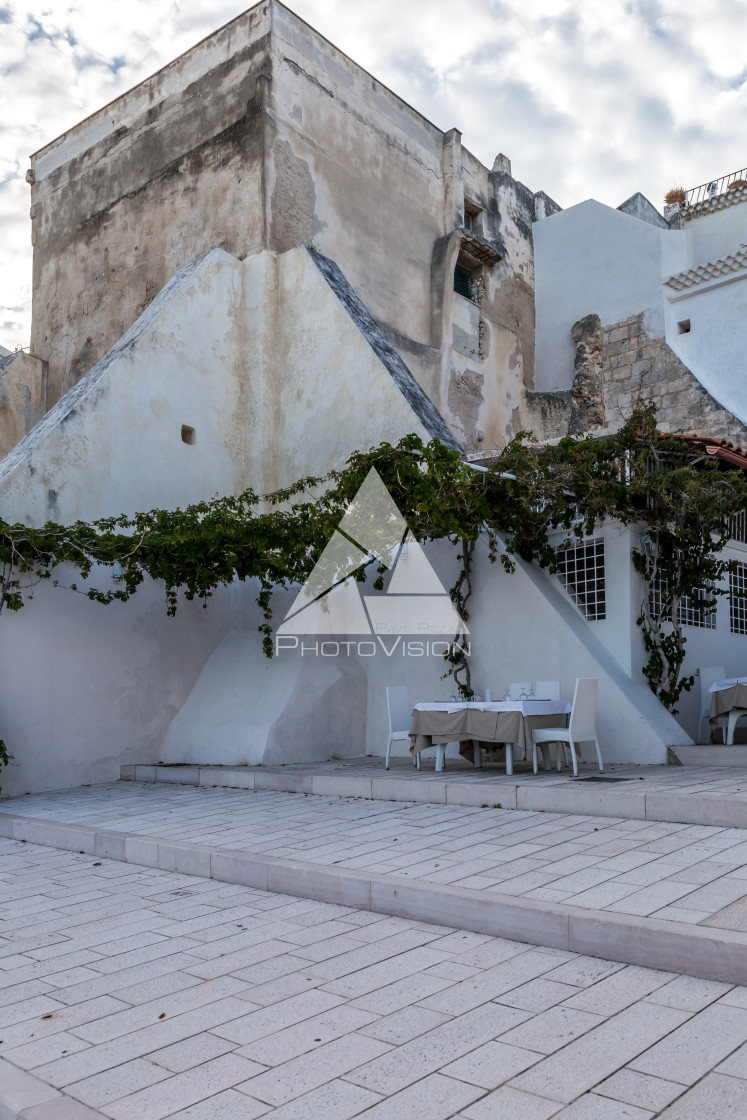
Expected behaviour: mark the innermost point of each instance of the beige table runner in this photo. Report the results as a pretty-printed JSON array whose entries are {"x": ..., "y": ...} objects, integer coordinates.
[
  {"x": 491, "y": 729},
  {"x": 725, "y": 699}
]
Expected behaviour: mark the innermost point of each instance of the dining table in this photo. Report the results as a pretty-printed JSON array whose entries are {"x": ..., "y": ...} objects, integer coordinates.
[
  {"x": 490, "y": 724},
  {"x": 726, "y": 696}
]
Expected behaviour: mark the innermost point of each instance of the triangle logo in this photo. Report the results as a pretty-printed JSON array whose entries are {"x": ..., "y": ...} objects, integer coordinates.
[{"x": 373, "y": 529}]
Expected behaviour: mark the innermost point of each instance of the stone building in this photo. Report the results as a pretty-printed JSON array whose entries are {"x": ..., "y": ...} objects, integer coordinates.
[{"x": 260, "y": 260}]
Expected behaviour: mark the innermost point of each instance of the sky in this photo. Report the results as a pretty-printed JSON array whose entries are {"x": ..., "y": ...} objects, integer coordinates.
[{"x": 588, "y": 98}]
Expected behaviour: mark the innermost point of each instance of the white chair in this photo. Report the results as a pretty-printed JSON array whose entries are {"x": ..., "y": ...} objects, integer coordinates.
[
  {"x": 400, "y": 719},
  {"x": 550, "y": 690},
  {"x": 519, "y": 691},
  {"x": 731, "y": 725},
  {"x": 581, "y": 729},
  {"x": 708, "y": 674}
]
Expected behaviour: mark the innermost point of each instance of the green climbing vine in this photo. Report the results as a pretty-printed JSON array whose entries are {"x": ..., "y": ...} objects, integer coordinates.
[{"x": 530, "y": 501}]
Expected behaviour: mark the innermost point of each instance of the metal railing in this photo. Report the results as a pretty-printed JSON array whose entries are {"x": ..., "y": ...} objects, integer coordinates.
[{"x": 715, "y": 187}]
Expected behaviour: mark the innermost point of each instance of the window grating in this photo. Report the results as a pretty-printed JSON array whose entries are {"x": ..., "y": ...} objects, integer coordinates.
[
  {"x": 581, "y": 571},
  {"x": 655, "y": 598},
  {"x": 738, "y": 527},
  {"x": 738, "y": 599},
  {"x": 689, "y": 613},
  {"x": 462, "y": 281}
]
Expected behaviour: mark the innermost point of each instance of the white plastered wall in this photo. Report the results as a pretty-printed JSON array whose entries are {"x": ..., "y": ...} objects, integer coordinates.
[
  {"x": 592, "y": 259},
  {"x": 270, "y": 370},
  {"x": 86, "y": 687}
]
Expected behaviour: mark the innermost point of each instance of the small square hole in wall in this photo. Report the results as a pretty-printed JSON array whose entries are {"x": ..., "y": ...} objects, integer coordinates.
[
  {"x": 683, "y": 327},
  {"x": 188, "y": 434}
]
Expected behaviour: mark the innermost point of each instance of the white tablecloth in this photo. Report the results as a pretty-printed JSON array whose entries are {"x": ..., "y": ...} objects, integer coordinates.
[
  {"x": 497, "y": 722},
  {"x": 526, "y": 707}
]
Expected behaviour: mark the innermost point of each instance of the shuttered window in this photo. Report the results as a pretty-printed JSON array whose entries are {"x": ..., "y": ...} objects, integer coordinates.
[{"x": 462, "y": 282}]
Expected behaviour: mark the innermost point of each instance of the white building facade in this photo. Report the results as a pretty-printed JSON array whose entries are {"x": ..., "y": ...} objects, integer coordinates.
[{"x": 425, "y": 293}]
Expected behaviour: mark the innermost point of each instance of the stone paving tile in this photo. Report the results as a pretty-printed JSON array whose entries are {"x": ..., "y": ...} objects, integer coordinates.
[
  {"x": 640, "y": 1089},
  {"x": 576, "y": 1068},
  {"x": 690, "y": 1051},
  {"x": 229, "y": 1105},
  {"x": 490, "y": 1065},
  {"x": 716, "y": 1095},
  {"x": 314, "y": 1068},
  {"x": 337, "y": 1100},
  {"x": 594, "y": 1107},
  {"x": 680, "y": 873},
  {"x": 119, "y": 1082},
  {"x": 413, "y": 1021},
  {"x": 507, "y": 1103},
  {"x": 427, "y": 1054},
  {"x": 551, "y": 1030},
  {"x": 621, "y": 989},
  {"x": 691, "y": 994},
  {"x": 538, "y": 995},
  {"x": 434, "y": 1098},
  {"x": 300, "y": 1037},
  {"x": 181, "y": 1090}
]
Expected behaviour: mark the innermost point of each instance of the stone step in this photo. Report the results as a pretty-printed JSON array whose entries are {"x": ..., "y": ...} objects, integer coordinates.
[
  {"x": 712, "y": 754},
  {"x": 706, "y": 952},
  {"x": 636, "y": 793}
]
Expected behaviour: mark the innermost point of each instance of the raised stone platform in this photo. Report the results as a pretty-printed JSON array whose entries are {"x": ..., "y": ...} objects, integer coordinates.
[
  {"x": 685, "y": 794},
  {"x": 657, "y": 894}
]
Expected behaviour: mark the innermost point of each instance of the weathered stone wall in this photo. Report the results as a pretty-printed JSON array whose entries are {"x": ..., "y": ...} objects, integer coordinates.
[
  {"x": 23, "y": 397},
  {"x": 123, "y": 201},
  {"x": 640, "y": 369},
  {"x": 266, "y": 136},
  {"x": 588, "y": 380},
  {"x": 618, "y": 367}
]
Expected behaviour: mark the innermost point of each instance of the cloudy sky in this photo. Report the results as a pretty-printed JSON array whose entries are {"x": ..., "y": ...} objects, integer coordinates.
[{"x": 589, "y": 98}]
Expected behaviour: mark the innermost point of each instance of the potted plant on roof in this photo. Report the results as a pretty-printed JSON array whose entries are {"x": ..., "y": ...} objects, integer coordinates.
[{"x": 676, "y": 194}]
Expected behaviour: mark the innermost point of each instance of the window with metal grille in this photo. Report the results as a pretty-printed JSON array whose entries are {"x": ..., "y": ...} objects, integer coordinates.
[
  {"x": 689, "y": 614},
  {"x": 656, "y": 597},
  {"x": 462, "y": 281},
  {"x": 738, "y": 599},
  {"x": 581, "y": 571},
  {"x": 738, "y": 527}
]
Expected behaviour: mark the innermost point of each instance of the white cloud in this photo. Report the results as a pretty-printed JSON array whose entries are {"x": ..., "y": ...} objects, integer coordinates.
[{"x": 588, "y": 98}]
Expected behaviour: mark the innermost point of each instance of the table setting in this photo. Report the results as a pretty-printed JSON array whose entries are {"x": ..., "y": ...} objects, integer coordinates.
[
  {"x": 479, "y": 724},
  {"x": 728, "y": 697}
]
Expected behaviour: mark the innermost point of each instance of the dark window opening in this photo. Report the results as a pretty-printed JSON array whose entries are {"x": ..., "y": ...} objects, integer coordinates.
[
  {"x": 683, "y": 327},
  {"x": 188, "y": 434},
  {"x": 463, "y": 282}
]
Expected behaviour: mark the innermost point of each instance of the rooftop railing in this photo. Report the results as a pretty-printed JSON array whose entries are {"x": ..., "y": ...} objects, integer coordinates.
[{"x": 715, "y": 187}]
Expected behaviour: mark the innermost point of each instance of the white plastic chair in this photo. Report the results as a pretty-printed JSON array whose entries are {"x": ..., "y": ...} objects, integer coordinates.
[
  {"x": 400, "y": 718},
  {"x": 550, "y": 690},
  {"x": 731, "y": 724},
  {"x": 520, "y": 691},
  {"x": 708, "y": 674},
  {"x": 581, "y": 729}
]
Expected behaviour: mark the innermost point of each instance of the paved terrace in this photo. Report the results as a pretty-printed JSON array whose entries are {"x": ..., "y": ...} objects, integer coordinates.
[
  {"x": 692, "y": 794},
  {"x": 651, "y": 893},
  {"x": 138, "y": 994}
]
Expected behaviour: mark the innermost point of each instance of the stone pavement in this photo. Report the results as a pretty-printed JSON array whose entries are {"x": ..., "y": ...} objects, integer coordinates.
[
  {"x": 138, "y": 994},
  {"x": 654, "y": 893},
  {"x": 712, "y": 794}
]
